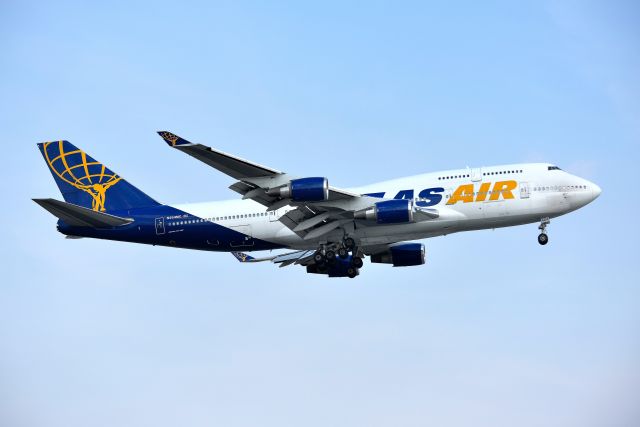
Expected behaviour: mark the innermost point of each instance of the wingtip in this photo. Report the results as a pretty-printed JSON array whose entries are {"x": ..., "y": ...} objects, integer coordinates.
[
  {"x": 168, "y": 137},
  {"x": 242, "y": 257},
  {"x": 172, "y": 139}
]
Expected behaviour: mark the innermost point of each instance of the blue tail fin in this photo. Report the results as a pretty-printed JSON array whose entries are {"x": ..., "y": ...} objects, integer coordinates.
[{"x": 86, "y": 182}]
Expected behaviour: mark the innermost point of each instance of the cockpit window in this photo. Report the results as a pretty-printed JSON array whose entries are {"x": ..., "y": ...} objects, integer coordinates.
[{"x": 554, "y": 168}]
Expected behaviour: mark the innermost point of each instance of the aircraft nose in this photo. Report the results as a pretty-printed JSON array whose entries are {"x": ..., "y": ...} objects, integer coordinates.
[{"x": 595, "y": 191}]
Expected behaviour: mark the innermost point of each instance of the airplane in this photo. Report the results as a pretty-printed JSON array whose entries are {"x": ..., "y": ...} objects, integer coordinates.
[{"x": 328, "y": 230}]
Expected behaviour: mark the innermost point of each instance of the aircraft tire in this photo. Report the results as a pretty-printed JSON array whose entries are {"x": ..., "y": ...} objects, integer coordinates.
[
  {"x": 357, "y": 262},
  {"x": 543, "y": 239},
  {"x": 349, "y": 243}
]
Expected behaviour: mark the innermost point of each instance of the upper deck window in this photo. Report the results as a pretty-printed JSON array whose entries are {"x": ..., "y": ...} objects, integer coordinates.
[{"x": 554, "y": 168}]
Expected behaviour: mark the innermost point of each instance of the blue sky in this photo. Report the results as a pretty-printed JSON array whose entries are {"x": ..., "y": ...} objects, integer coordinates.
[{"x": 493, "y": 331}]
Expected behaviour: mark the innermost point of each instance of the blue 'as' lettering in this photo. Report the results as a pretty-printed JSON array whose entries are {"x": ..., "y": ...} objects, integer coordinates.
[
  {"x": 404, "y": 194},
  {"x": 431, "y": 197}
]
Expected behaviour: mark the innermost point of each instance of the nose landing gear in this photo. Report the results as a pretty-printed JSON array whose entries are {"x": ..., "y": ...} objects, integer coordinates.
[{"x": 543, "y": 239}]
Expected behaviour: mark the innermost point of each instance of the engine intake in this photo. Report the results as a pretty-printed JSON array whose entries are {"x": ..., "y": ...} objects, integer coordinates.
[
  {"x": 388, "y": 212},
  {"x": 402, "y": 255},
  {"x": 315, "y": 189}
]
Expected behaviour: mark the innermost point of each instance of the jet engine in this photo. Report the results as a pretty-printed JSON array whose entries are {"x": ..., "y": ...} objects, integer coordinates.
[
  {"x": 402, "y": 255},
  {"x": 315, "y": 189},
  {"x": 388, "y": 212}
]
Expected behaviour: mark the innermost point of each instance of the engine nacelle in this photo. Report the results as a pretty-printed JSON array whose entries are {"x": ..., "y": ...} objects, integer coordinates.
[
  {"x": 315, "y": 189},
  {"x": 402, "y": 255},
  {"x": 388, "y": 212}
]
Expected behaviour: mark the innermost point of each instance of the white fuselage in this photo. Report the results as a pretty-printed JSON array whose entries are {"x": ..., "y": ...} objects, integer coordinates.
[{"x": 535, "y": 191}]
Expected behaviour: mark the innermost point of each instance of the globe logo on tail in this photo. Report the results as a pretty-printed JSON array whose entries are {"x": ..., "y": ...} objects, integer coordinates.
[
  {"x": 169, "y": 137},
  {"x": 80, "y": 171}
]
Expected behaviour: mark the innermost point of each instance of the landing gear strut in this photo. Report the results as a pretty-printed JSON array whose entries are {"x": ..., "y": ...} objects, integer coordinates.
[{"x": 543, "y": 239}]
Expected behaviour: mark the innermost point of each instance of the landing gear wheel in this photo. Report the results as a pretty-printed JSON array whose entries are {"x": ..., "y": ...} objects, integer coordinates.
[
  {"x": 349, "y": 243},
  {"x": 352, "y": 272},
  {"x": 331, "y": 257},
  {"x": 343, "y": 253},
  {"x": 357, "y": 262},
  {"x": 318, "y": 258},
  {"x": 543, "y": 239}
]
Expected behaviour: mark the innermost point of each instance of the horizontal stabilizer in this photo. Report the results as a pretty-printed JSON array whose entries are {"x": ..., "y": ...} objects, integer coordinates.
[{"x": 78, "y": 216}]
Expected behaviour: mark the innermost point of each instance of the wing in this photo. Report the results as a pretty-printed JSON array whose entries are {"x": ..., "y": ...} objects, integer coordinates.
[
  {"x": 296, "y": 257},
  {"x": 400, "y": 254},
  {"x": 226, "y": 163},
  {"x": 311, "y": 219},
  {"x": 254, "y": 180}
]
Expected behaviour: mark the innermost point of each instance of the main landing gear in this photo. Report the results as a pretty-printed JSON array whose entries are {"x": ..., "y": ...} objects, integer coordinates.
[
  {"x": 543, "y": 239},
  {"x": 330, "y": 255}
]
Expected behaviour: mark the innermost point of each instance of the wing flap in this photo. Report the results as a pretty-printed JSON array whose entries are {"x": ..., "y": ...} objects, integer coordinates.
[{"x": 325, "y": 228}]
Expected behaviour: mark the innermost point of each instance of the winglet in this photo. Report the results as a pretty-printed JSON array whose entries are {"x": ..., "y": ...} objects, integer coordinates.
[
  {"x": 242, "y": 257},
  {"x": 173, "y": 139}
]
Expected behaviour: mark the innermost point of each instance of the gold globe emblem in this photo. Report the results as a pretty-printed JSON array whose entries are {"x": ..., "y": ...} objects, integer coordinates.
[
  {"x": 169, "y": 137},
  {"x": 80, "y": 171}
]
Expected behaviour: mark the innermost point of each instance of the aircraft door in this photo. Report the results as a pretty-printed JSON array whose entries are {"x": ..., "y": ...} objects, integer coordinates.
[
  {"x": 159, "y": 226},
  {"x": 524, "y": 190},
  {"x": 476, "y": 174}
]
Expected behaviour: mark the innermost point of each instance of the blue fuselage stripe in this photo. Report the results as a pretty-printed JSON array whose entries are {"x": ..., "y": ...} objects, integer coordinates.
[{"x": 150, "y": 226}]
